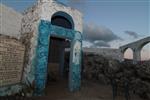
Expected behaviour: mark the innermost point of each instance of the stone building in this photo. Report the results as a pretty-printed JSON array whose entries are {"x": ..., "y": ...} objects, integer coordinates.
[{"x": 47, "y": 28}]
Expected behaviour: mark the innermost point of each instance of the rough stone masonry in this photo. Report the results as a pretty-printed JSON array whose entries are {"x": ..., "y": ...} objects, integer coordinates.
[
  {"x": 102, "y": 69},
  {"x": 25, "y": 27}
]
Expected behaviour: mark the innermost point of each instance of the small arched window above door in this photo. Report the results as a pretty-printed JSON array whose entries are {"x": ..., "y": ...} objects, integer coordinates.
[{"x": 62, "y": 19}]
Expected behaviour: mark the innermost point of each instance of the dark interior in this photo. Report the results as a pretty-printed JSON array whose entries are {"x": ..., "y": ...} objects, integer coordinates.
[
  {"x": 58, "y": 61},
  {"x": 62, "y": 22}
]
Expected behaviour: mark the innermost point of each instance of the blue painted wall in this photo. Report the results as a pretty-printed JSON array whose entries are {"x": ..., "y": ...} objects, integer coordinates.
[{"x": 45, "y": 31}]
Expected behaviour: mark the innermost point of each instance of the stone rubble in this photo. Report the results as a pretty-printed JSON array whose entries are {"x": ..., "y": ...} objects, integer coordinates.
[{"x": 99, "y": 68}]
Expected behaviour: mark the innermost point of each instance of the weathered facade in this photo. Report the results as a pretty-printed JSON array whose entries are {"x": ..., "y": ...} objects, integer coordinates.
[
  {"x": 46, "y": 20},
  {"x": 11, "y": 51},
  {"x": 11, "y": 65}
]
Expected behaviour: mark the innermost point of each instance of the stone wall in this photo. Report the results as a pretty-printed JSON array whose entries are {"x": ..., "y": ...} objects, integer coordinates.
[
  {"x": 10, "y": 23},
  {"x": 124, "y": 75},
  {"x": 11, "y": 65},
  {"x": 50, "y": 7},
  {"x": 43, "y": 10},
  {"x": 109, "y": 53},
  {"x": 29, "y": 35},
  {"x": 25, "y": 28}
]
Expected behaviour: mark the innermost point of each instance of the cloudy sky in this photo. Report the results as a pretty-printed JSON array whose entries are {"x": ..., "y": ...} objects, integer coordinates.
[{"x": 107, "y": 23}]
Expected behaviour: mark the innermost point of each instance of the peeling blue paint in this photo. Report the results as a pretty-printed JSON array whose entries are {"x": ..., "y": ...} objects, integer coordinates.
[
  {"x": 75, "y": 68},
  {"x": 45, "y": 31}
]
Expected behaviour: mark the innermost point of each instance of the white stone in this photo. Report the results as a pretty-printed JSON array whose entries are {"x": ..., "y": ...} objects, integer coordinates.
[
  {"x": 10, "y": 23},
  {"x": 48, "y": 9}
]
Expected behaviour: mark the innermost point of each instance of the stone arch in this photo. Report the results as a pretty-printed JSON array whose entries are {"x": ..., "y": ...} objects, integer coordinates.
[
  {"x": 142, "y": 54},
  {"x": 128, "y": 53},
  {"x": 143, "y": 44},
  {"x": 62, "y": 19},
  {"x": 46, "y": 29}
]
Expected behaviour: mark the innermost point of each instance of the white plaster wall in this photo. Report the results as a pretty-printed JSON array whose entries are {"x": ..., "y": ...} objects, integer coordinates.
[
  {"x": 30, "y": 22},
  {"x": 106, "y": 52},
  {"x": 13, "y": 23},
  {"x": 49, "y": 7},
  {"x": 10, "y": 21},
  {"x": 29, "y": 35}
]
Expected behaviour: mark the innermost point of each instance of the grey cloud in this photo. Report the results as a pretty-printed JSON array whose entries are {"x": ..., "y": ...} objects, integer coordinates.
[
  {"x": 93, "y": 33},
  {"x": 101, "y": 44},
  {"x": 131, "y": 33}
]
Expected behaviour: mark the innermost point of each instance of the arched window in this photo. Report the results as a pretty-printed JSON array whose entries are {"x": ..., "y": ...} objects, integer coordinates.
[
  {"x": 145, "y": 52},
  {"x": 128, "y": 54},
  {"x": 62, "y": 19}
]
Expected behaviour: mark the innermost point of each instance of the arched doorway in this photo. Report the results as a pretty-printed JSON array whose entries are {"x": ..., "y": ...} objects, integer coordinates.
[
  {"x": 46, "y": 31},
  {"x": 58, "y": 71},
  {"x": 62, "y": 19},
  {"x": 128, "y": 54},
  {"x": 58, "y": 44},
  {"x": 49, "y": 36},
  {"x": 145, "y": 52}
]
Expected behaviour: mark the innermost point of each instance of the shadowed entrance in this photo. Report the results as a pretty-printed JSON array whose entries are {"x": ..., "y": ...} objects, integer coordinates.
[
  {"x": 57, "y": 71},
  {"x": 47, "y": 30}
]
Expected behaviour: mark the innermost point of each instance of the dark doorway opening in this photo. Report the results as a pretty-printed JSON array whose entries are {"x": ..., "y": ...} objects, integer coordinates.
[
  {"x": 58, "y": 65},
  {"x": 59, "y": 60},
  {"x": 62, "y": 22}
]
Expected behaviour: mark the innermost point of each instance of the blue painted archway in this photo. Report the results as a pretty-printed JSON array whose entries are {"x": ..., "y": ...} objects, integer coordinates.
[{"x": 45, "y": 31}]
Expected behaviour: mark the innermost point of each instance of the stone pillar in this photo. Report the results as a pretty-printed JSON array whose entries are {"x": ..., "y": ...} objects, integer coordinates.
[
  {"x": 41, "y": 58},
  {"x": 136, "y": 55},
  {"x": 75, "y": 66},
  {"x": 121, "y": 55}
]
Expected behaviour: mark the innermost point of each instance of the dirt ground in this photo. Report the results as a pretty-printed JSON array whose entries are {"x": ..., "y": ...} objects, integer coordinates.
[{"x": 89, "y": 91}]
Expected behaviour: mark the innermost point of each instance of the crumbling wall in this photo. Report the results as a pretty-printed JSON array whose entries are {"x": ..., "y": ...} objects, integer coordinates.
[
  {"x": 29, "y": 35},
  {"x": 99, "y": 68},
  {"x": 29, "y": 24},
  {"x": 11, "y": 65},
  {"x": 42, "y": 10},
  {"x": 10, "y": 23}
]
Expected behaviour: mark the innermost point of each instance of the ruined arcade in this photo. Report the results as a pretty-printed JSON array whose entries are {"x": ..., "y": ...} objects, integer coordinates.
[{"x": 136, "y": 47}]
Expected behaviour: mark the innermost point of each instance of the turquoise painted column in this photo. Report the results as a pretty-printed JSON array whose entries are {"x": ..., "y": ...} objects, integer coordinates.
[
  {"x": 42, "y": 58},
  {"x": 45, "y": 31},
  {"x": 75, "y": 63}
]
